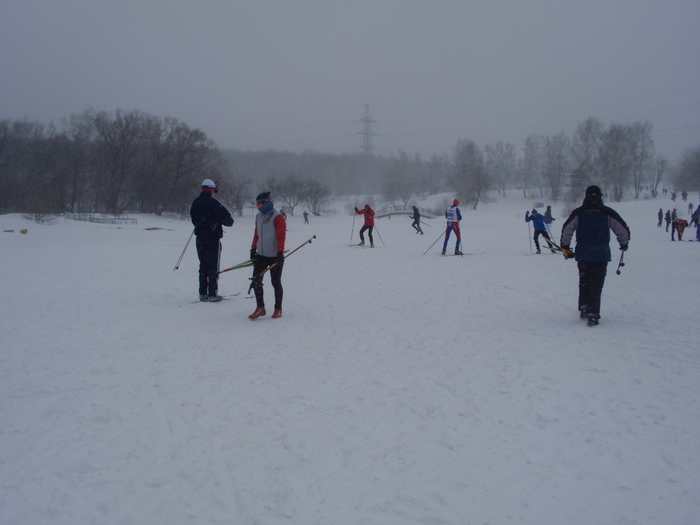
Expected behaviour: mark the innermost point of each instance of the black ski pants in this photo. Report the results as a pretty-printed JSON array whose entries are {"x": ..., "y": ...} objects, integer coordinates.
[
  {"x": 209, "y": 252},
  {"x": 363, "y": 230},
  {"x": 591, "y": 277},
  {"x": 261, "y": 264},
  {"x": 544, "y": 234}
]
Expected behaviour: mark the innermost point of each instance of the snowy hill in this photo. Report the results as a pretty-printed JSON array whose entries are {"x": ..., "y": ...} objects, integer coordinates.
[{"x": 398, "y": 388}]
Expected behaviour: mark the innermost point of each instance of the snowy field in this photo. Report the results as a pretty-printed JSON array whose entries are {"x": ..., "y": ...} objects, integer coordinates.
[{"x": 398, "y": 388}]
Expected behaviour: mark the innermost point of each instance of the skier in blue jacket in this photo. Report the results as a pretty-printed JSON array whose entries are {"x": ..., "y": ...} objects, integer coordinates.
[
  {"x": 540, "y": 229},
  {"x": 208, "y": 216}
]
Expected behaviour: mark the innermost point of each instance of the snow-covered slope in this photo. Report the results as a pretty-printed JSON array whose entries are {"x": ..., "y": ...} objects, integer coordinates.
[{"x": 398, "y": 388}]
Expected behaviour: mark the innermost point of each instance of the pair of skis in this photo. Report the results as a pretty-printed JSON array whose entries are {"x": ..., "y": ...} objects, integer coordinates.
[
  {"x": 257, "y": 278},
  {"x": 251, "y": 262},
  {"x": 569, "y": 254}
]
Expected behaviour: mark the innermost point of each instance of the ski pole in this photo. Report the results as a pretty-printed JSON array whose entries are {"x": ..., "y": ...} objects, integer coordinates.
[
  {"x": 380, "y": 235},
  {"x": 244, "y": 264},
  {"x": 529, "y": 237},
  {"x": 183, "y": 252},
  {"x": 620, "y": 264},
  {"x": 436, "y": 240},
  {"x": 353, "y": 227},
  {"x": 548, "y": 230},
  {"x": 259, "y": 276},
  {"x": 428, "y": 225}
]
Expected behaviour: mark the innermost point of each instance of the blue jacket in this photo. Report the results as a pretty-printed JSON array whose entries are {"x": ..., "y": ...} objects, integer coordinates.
[
  {"x": 208, "y": 215},
  {"x": 592, "y": 223},
  {"x": 537, "y": 221}
]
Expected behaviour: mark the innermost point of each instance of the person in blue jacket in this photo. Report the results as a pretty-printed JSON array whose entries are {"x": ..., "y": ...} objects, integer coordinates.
[
  {"x": 540, "y": 229},
  {"x": 695, "y": 218},
  {"x": 453, "y": 216},
  {"x": 592, "y": 223},
  {"x": 208, "y": 216}
]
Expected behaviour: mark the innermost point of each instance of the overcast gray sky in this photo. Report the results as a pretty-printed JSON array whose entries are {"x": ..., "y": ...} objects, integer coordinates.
[{"x": 296, "y": 75}]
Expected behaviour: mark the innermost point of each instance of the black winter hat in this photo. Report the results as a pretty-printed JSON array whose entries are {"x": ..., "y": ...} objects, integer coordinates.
[
  {"x": 593, "y": 190},
  {"x": 263, "y": 196}
]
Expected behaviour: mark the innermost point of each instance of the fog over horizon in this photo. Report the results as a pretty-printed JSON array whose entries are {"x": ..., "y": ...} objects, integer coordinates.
[{"x": 296, "y": 75}]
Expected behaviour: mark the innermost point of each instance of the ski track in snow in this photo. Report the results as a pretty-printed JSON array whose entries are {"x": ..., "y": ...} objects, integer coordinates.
[{"x": 397, "y": 388}]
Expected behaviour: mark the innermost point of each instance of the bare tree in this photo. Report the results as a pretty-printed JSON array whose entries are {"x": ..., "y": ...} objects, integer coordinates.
[
  {"x": 470, "y": 179},
  {"x": 557, "y": 163},
  {"x": 291, "y": 190},
  {"x": 585, "y": 145},
  {"x": 688, "y": 177},
  {"x": 532, "y": 170},
  {"x": 317, "y": 196},
  {"x": 399, "y": 179},
  {"x": 501, "y": 164},
  {"x": 118, "y": 145},
  {"x": 616, "y": 160},
  {"x": 642, "y": 153},
  {"x": 656, "y": 173}
]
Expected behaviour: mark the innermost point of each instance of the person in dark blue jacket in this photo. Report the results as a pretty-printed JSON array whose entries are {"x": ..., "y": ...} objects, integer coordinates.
[
  {"x": 208, "y": 216},
  {"x": 592, "y": 223},
  {"x": 540, "y": 229},
  {"x": 695, "y": 218}
]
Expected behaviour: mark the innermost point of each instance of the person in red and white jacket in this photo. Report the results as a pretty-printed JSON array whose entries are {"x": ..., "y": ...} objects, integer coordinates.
[
  {"x": 368, "y": 212},
  {"x": 267, "y": 251}
]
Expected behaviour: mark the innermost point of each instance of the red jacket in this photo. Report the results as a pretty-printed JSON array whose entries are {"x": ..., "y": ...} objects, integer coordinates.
[{"x": 369, "y": 215}]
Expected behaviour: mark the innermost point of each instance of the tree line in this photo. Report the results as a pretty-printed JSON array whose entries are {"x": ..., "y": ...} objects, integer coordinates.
[{"x": 135, "y": 162}]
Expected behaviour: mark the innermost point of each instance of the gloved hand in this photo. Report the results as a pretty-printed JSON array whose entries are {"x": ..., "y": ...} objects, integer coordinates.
[
  {"x": 280, "y": 258},
  {"x": 568, "y": 254},
  {"x": 527, "y": 213},
  {"x": 355, "y": 208},
  {"x": 252, "y": 253},
  {"x": 624, "y": 247}
]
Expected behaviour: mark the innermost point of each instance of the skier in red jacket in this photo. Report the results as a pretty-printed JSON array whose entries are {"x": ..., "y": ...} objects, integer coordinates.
[
  {"x": 368, "y": 212},
  {"x": 267, "y": 250}
]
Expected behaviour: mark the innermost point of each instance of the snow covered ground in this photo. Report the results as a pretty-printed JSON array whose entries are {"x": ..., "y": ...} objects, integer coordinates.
[{"x": 398, "y": 388}]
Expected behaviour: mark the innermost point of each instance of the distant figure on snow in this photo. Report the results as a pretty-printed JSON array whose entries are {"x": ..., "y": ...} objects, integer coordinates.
[
  {"x": 696, "y": 218},
  {"x": 416, "y": 220},
  {"x": 306, "y": 217},
  {"x": 548, "y": 219},
  {"x": 538, "y": 223},
  {"x": 678, "y": 225},
  {"x": 453, "y": 216},
  {"x": 667, "y": 217},
  {"x": 661, "y": 217},
  {"x": 368, "y": 212}
]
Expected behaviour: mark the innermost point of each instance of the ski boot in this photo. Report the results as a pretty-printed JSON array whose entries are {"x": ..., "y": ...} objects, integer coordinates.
[
  {"x": 443, "y": 251},
  {"x": 215, "y": 298},
  {"x": 259, "y": 312},
  {"x": 362, "y": 243},
  {"x": 277, "y": 313},
  {"x": 592, "y": 319},
  {"x": 371, "y": 245},
  {"x": 458, "y": 252},
  {"x": 203, "y": 297}
]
